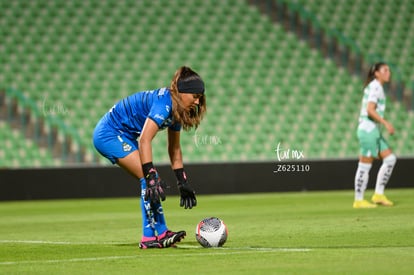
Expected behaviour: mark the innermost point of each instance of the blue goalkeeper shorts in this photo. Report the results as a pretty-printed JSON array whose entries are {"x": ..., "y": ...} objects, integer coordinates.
[{"x": 111, "y": 143}]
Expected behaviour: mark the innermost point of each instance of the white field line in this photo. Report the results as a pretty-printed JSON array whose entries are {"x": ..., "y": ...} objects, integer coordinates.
[
  {"x": 69, "y": 260},
  {"x": 284, "y": 249},
  {"x": 209, "y": 252},
  {"x": 110, "y": 258},
  {"x": 57, "y": 242},
  {"x": 248, "y": 248}
]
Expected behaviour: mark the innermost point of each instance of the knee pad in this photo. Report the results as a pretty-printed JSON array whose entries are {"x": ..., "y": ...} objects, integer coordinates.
[{"x": 390, "y": 160}]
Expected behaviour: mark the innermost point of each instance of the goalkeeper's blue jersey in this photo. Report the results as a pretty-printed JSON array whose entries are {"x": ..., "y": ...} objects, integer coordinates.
[{"x": 129, "y": 114}]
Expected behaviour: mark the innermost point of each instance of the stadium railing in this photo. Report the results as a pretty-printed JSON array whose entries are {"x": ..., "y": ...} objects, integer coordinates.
[
  {"x": 333, "y": 43},
  {"x": 49, "y": 130}
]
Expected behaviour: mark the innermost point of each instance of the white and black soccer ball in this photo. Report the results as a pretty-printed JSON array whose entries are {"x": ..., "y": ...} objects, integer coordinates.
[{"x": 211, "y": 232}]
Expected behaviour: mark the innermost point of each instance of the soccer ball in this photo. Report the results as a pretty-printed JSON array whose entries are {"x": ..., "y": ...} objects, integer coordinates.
[{"x": 211, "y": 232}]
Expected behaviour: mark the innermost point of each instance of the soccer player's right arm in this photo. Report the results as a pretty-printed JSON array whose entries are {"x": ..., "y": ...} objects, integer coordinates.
[
  {"x": 154, "y": 191},
  {"x": 372, "y": 113},
  {"x": 149, "y": 131}
]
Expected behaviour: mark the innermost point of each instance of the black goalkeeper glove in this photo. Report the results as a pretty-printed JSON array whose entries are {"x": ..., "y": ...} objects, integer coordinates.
[
  {"x": 188, "y": 199},
  {"x": 154, "y": 190}
]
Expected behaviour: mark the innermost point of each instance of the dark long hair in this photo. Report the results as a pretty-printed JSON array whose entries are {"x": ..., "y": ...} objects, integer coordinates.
[
  {"x": 371, "y": 73},
  {"x": 192, "y": 118}
]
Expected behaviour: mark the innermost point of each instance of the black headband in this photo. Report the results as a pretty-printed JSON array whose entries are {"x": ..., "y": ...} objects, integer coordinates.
[{"x": 195, "y": 86}]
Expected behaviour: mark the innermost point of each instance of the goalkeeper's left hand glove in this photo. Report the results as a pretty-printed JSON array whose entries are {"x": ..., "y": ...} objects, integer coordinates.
[{"x": 188, "y": 198}]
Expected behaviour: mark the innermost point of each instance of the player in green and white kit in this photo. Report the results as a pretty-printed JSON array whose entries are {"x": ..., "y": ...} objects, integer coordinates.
[{"x": 372, "y": 143}]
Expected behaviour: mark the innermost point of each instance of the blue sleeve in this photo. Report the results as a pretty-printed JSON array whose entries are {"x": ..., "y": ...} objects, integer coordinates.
[{"x": 159, "y": 113}]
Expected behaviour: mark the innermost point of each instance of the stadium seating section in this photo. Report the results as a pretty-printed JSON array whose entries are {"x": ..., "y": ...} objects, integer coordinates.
[
  {"x": 381, "y": 29},
  {"x": 17, "y": 151},
  {"x": 264, "y": 85}
]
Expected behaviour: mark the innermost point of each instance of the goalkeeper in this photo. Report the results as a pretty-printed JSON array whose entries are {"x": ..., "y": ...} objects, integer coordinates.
[{"x": 124, "y": 136}]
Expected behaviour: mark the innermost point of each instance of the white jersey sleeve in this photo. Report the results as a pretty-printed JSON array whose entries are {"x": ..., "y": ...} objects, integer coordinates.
[{"x": 376, "y": 92}]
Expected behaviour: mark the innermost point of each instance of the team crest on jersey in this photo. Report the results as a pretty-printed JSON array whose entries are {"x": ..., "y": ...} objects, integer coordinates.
[{"x": 126, "y": 147}]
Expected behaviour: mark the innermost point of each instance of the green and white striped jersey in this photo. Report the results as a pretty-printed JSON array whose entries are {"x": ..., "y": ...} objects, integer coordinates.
[{"x": 373, "y": 92}]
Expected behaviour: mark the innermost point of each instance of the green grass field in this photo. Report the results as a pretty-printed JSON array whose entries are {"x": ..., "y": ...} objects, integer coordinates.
[{"x": 285, "y": 233}]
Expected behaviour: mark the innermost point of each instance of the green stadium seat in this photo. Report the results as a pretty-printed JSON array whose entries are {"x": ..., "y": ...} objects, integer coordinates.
[{"x": 264, "y": 85}]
